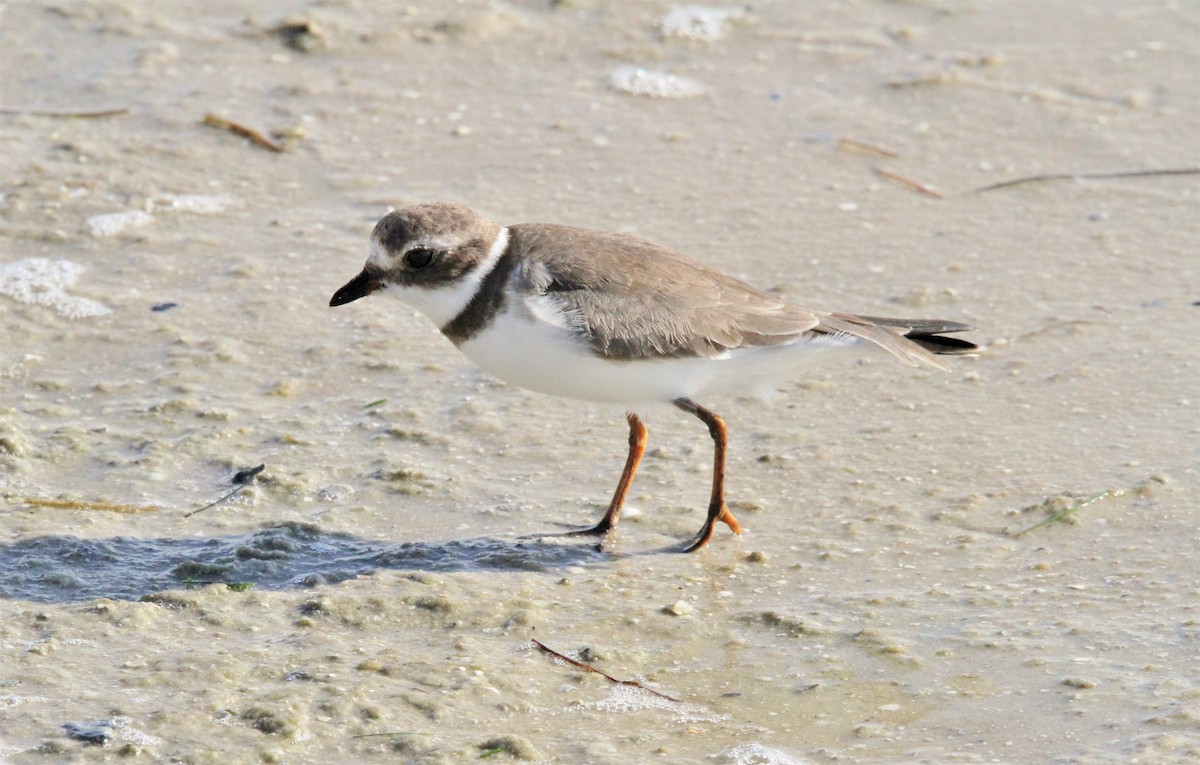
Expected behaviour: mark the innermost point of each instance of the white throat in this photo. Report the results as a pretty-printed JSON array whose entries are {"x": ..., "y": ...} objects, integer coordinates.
[{"x": 441, "y": 304}]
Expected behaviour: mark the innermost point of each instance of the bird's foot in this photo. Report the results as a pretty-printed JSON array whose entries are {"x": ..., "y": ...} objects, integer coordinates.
[
  {"x": 727, "y": 518},
  {"x": 705, "y": 534}
]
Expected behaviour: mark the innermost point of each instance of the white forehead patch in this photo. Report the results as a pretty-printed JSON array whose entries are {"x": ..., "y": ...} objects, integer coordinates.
[{"x": 376, "y": 254}]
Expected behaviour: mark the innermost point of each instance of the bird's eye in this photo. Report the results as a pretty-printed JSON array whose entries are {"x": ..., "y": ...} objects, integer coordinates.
[{"x": 418, "y": 257}]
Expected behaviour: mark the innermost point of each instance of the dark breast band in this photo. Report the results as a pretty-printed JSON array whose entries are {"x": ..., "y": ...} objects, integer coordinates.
[{"x": 487, "y": 301}]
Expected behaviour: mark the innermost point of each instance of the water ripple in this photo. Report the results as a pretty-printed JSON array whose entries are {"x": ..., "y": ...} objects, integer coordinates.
[{"x": 64, "y": 568}]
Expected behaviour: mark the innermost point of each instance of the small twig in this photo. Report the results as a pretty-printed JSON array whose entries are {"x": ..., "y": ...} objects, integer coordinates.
[
  {"x": 940, "y": 78},
  {"x": 1088, "y": 177},
  {"x": 918, "y": 187},
  {"x": 255, "y": 137},
  {"x": 1040, "y": 93},
  {"x": 1070, "y": 510},
  {"x": 214, "y": 503},
  {"x": 67, "y": 114},
  {"x": 393, "y": 733},
  {"x": 610, "y": 678},
  {"x": 77, "y": 504},
  {"x": 242, "y": 478},
  {"x": 850, "y": 143}
]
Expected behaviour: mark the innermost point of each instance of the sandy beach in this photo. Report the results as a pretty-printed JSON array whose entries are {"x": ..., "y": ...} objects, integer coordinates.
[{"x": 184, "y": 185}]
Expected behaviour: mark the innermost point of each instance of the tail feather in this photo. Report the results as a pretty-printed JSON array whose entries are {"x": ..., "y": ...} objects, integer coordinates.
[
  {"x": 911, "y": 340},
  {"x": 943, "y": 346}
]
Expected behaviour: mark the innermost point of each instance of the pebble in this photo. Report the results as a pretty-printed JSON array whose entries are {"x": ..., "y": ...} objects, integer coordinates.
[{"x": 680, "y": 608}]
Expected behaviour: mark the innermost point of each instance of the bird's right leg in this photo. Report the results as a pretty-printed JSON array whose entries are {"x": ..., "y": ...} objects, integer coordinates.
[{"x": 637, "y": 447}]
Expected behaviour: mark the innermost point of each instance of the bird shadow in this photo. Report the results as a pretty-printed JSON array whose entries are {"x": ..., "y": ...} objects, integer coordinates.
[{"x": 291, "y": 555}]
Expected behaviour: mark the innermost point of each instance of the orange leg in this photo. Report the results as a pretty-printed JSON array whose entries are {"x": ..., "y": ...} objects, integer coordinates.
[
  {"x": 637, "y": 447},
  {"x": 717, "y": 511}
]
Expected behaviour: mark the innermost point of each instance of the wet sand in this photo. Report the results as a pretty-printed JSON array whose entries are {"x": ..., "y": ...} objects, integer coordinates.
[{"x": 880, "y": 607}]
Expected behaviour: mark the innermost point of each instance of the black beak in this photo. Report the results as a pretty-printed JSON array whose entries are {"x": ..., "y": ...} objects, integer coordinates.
[{"x": 358, "y": 287}]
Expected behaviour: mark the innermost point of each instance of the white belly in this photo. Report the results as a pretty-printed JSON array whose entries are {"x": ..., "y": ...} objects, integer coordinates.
[
  {"x": 547, "y": 359},
  {"x": 541, "y": 357}
]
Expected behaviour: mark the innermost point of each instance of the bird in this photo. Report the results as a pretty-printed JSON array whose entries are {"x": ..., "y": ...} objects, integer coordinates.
[{"x": 587, "y": 314}]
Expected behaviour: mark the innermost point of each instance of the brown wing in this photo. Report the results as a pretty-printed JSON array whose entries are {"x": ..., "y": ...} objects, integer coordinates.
[{"x": 631, "y": 299}]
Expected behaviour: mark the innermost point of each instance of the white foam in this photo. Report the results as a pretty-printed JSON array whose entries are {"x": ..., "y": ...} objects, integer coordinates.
[
  {"x": 653, "y": 84},
  {"x": 40, "y": 281},
  {"x": 202, "y": 204},
  {"x": 697, "y": 22},
  {"x": 111, "y": 224},
  {"x": 757, "y": 754},
  {"x": 10, "y": 700},
  {"x": 123, "y": 727},
  {"x": 630, "y": 698}
]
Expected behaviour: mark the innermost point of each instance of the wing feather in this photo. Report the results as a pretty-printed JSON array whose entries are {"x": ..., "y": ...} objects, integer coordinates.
[{"x": 631, "y": 299}]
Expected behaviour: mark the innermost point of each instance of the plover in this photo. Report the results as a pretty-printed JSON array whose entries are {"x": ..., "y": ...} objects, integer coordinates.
[{"x": 607, "y": 317}]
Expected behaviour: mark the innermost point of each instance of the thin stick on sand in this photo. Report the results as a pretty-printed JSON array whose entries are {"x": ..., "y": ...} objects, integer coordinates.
[
  {"x": 255, "y": 137},
  {"x": 80, "y": 504},
  {"x": 242, "y": 478},
  {"x": 850, "y": 143},
  {"x": 1088, "y": 177},
  {"x": 610, "y": 678},
  {"x": 67, "y": 114},
  {"x": 917, "y": 187},
  {"x": 1059, "y": 516}
]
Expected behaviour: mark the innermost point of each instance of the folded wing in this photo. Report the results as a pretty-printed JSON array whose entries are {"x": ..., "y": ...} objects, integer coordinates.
[{"x": 636, "y": 300}]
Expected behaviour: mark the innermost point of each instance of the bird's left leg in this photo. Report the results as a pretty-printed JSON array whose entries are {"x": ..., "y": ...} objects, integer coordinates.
[{"x": 717, "y": 510}]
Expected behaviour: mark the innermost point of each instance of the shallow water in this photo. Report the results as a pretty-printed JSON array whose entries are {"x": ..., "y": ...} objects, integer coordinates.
[
  {"x": 62, "y": 569},
  {"x": 881, "y": 606}
]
